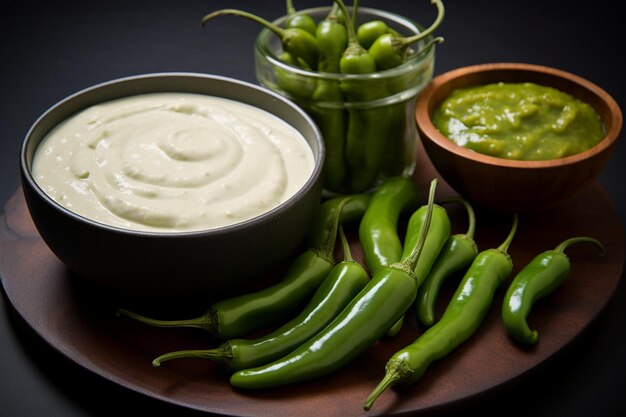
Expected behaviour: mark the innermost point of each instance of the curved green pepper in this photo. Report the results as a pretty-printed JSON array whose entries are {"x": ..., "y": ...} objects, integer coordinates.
[
  {"x": 539, "y": 278},
  {"x": 457, "y": 254},
  {"x": 378, "y": 232}
]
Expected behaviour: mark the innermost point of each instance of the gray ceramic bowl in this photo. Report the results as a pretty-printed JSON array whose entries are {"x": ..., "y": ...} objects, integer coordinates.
[{"x": 173, "y": 266}]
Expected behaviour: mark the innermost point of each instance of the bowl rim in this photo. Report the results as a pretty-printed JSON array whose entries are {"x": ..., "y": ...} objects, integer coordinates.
[
  {"x": 425, "y": 124},
  {"x": 234, "y": 228}
]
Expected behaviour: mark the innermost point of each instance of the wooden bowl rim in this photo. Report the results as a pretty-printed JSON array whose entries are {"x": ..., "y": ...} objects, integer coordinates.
[{"x": 424, "y": 121}]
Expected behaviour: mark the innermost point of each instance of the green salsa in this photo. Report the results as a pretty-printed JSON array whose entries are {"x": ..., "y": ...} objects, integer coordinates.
[{"x": 522, "y": 121}]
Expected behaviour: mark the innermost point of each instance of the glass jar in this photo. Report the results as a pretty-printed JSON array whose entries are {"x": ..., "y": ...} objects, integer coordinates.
[{"x": 367, "y": 120}]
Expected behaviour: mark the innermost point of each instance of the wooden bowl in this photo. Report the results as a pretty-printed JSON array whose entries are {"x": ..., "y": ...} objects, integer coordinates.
[{"x": 512, "y": 185}]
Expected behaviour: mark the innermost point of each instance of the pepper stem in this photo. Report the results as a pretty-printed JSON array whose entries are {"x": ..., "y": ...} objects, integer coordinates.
[
  {"x": 390, "y": 378},
  {"x": 355, "y": 10},
  {"x": 428, "y": 45},
  {"x": 276, "y": 29},
  {"x": 289, "y": 6},
  {"x": 345, "y": 245},
  {"x": 352, "y": 38},
  {"x": 413, "y": 257},
  {"x": 334, "y": 12},
  {"x": 217, "y": 355},
  {"x": 204, "y": 322},
  {"x": 504, "y": 246},
  {"x": 563, "y": 245},
  {"x": 471, "y": 215},
  {"x": 426, "y": 32}
]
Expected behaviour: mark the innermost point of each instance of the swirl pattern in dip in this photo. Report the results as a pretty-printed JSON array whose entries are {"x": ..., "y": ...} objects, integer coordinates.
[{"x": 171, "y": 162}]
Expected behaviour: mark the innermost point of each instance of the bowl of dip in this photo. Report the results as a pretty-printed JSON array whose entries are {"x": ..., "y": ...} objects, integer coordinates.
[
  {"x": 517, "y": 137},
  {"x": 172, "y": 186}
]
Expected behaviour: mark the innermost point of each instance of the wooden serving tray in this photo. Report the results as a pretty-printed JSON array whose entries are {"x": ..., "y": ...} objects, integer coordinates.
[{"x": 82, "y": 325}]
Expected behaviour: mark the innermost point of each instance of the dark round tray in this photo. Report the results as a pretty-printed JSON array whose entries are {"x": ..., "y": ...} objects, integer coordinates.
[{"x": 85, "y": 329}]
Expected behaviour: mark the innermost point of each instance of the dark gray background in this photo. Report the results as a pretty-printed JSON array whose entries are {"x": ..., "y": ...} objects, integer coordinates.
[{"x": 51, "y": 49}]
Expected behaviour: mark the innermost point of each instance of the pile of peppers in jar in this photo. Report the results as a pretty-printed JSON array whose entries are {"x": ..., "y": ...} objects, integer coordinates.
[
  {"x": 323, "y": 313},
  {"x": 364, "y": 120}
]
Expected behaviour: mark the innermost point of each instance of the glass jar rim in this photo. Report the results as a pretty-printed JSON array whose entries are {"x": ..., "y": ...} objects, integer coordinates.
[{"x": 262, "y": 46}]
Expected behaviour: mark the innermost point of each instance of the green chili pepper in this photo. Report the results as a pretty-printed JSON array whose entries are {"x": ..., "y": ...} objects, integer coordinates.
[
  {"x": 288, "y": 58},
  {"x": 460, "y": 320},
  {"x": 542, "y": 276},
  {"x": 437, "y": 236},
  {"x": 239, "y": 315},
  {"x": 366, "y": 141},
  {"x": 372, "y": 312},
  {"x": 341, "y": 285},
  {"x": 295, "y": 85},
  {"x": 439, "y": 233},
  {"x": 352, "y": 211},
  {"x": 368, "y": 32},
  {"x": 378, "y": 230},
  {"x": 332, "y": 38},
  {"x": 389, "y": 50},
  {"x": 355, "y": 59},
  {"x": 400, "y": 149},
  {"x": 299, "y": 20},
  {"x": 408, "y": 79},
  {"x": 367, "y": 126},
  {"x": 296, "y": 41},
  {"x": 332, "y": 122},
  {"x": 457, "y": 254}
]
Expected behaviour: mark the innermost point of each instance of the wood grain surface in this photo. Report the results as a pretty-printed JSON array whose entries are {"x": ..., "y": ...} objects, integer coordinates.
[{"x": 80, "y": 322}]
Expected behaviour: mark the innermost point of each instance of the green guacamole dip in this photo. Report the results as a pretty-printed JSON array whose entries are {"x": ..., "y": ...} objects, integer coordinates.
[{"x": 522, "y": 121}]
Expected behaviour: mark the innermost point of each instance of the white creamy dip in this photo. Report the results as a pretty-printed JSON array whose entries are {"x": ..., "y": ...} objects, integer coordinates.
[{"x": 171, "y": 162}]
